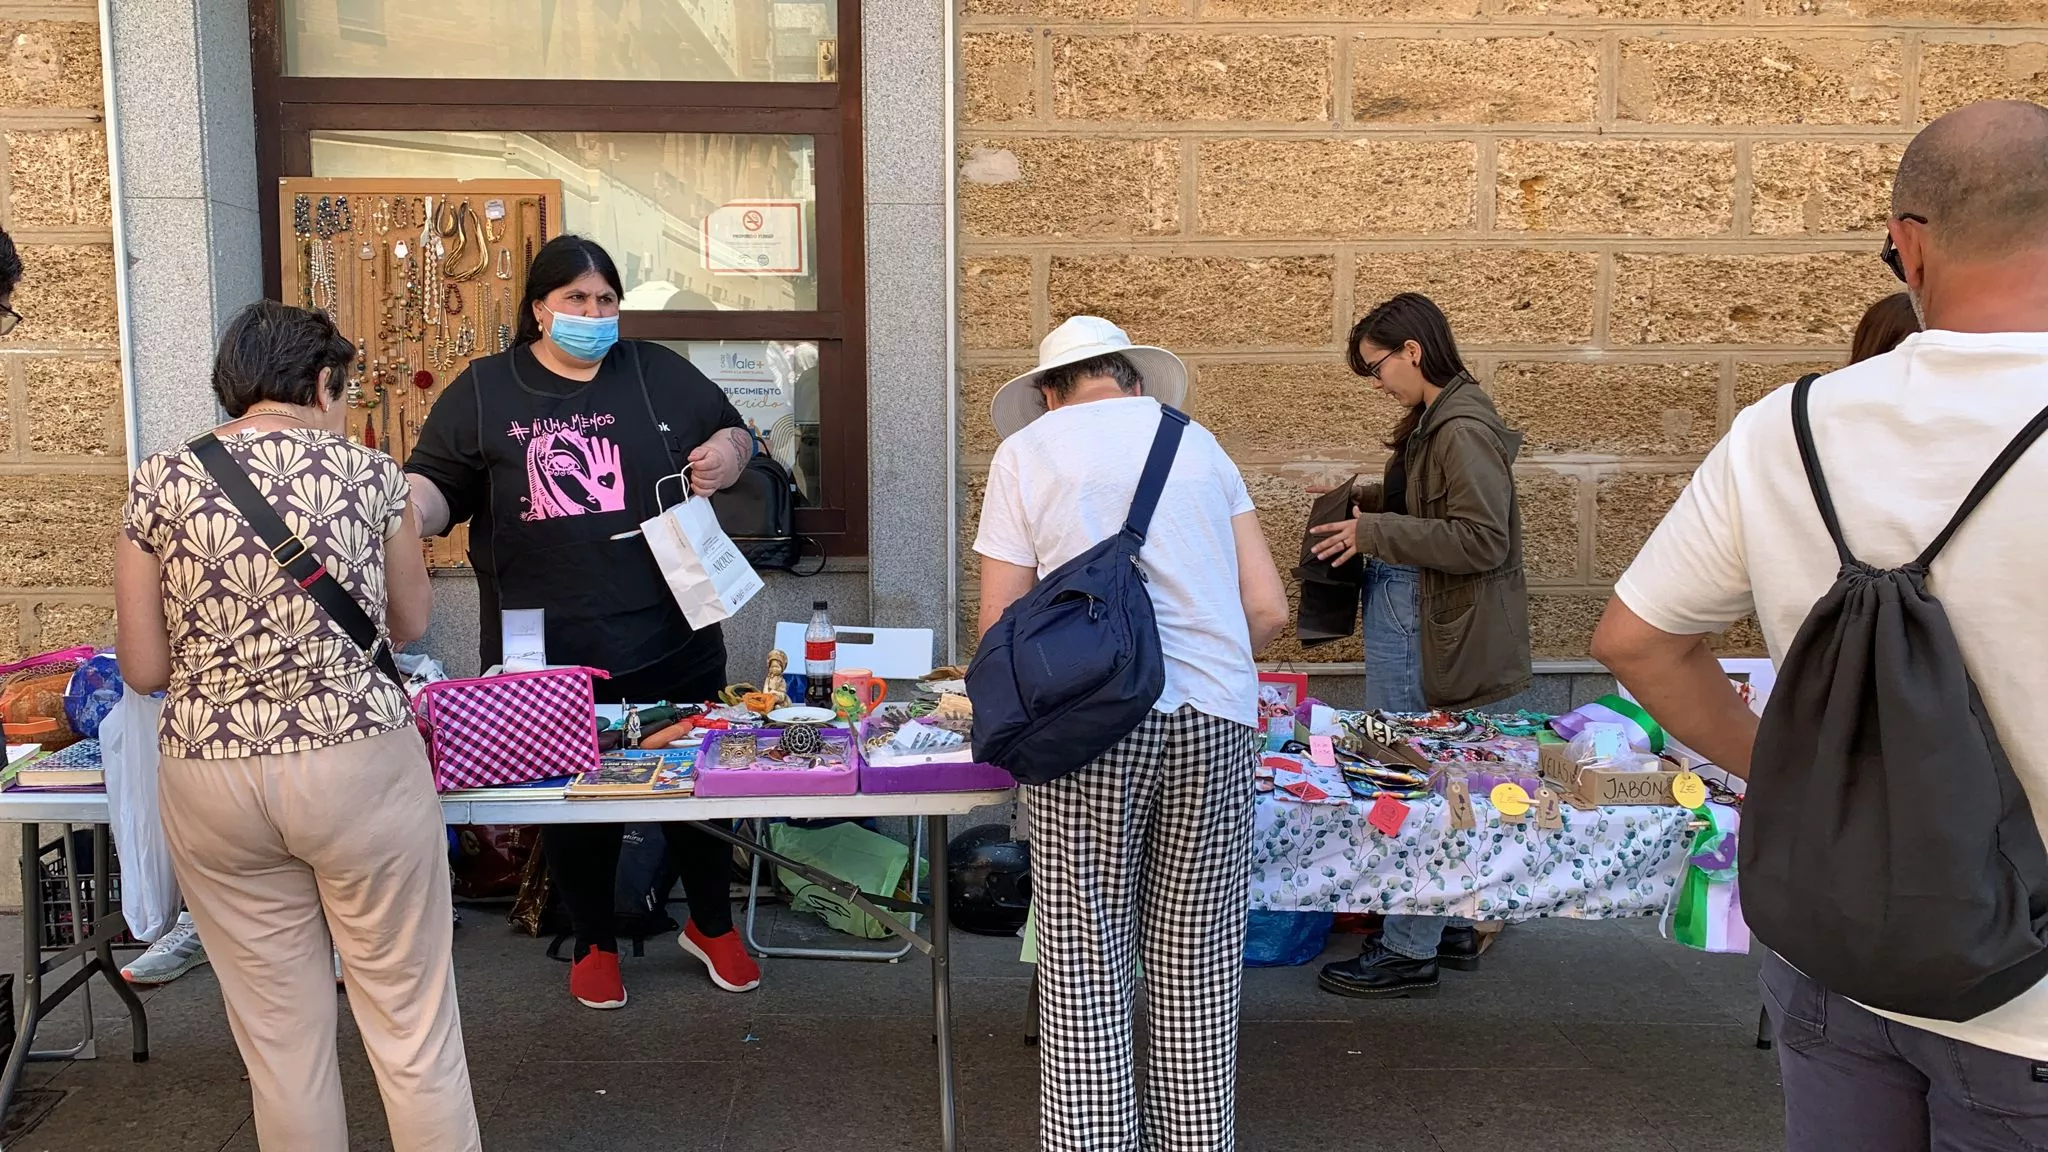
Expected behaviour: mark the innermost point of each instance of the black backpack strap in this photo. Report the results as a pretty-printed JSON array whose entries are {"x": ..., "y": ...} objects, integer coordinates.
[
  {"x": 292, "y": 554},
  {"x": 1802, "y": 431},
  {"x": 1152, "y": 481},
  {"x": 1985, "y": 484}
]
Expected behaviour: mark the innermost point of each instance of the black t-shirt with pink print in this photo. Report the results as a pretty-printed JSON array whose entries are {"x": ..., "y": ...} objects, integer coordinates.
[{"x": 548, "y": 472}]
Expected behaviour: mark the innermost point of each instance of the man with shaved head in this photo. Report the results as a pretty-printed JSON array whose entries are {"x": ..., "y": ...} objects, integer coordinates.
[{"x": 1901, "y": 438}]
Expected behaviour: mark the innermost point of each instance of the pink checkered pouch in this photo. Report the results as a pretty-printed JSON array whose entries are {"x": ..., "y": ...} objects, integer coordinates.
[{"x": 509, "y": 729}]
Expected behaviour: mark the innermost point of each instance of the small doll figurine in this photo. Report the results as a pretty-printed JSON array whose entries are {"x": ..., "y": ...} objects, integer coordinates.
[{"x": 775, "y": 685}]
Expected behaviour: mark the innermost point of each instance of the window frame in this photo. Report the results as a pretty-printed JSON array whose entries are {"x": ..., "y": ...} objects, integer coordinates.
[{"x": 289, "y": 109}]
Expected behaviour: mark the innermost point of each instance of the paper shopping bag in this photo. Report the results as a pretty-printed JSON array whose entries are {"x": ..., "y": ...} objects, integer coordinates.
[{"x": 706, "y": 573}]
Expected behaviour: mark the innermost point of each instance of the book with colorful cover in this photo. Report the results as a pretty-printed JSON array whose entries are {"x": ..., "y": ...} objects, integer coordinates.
[
  {"x": 72, "y": 769},
  {"x": 637, "y": 774}
]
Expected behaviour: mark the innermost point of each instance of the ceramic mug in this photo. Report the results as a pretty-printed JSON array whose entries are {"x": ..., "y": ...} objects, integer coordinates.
[{"x": 867, "y": 687}]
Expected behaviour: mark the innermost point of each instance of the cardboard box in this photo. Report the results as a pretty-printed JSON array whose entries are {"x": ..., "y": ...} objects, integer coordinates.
[{"x": 1601, "y": 787}]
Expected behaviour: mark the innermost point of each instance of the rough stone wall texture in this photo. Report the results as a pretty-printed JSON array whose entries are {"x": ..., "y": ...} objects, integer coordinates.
[
  {"x": 1640, "y": 215},
  {"x": 62, "y": 465}
]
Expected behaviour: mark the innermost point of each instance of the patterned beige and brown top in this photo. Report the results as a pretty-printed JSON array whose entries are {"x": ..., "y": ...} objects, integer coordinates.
[{"x": 256, "y": 667}]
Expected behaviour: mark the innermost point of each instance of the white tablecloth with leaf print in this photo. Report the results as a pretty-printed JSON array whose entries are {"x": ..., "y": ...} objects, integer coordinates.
[{"x": 1605, "y": 863}]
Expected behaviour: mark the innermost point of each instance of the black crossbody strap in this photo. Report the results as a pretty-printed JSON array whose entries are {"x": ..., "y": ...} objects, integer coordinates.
[
  {"x": 292, "y": 554},
  {"x": 1152, "y": 481}
]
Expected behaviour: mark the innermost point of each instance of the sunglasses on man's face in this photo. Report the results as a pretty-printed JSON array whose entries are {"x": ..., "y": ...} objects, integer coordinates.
[{"x": 1890, "y": 252}]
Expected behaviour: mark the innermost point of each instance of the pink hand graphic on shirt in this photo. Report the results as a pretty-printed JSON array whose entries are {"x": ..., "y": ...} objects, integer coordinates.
[
  {"x": 571, "y": 474},
  {"x": 607, "y": 483}
]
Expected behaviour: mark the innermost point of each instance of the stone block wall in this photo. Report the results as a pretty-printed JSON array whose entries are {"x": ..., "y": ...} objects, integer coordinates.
[
  {"x": 63, "y": 467},
  {"x": 1640, "y": 215}
]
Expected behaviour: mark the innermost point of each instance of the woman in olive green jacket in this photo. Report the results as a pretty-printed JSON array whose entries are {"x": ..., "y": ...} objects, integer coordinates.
[{"x": 1446, "y": 609}]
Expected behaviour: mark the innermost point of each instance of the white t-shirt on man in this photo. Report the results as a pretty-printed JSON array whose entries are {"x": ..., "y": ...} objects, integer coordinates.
[
  {"x": 1902, "y": 438},
  {"x": 1064, "y": 484}
]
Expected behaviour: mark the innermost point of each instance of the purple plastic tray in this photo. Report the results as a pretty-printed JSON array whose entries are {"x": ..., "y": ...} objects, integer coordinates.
[
  {"x": 956, "y": 776},
  {"x": 715, "y": 781}
]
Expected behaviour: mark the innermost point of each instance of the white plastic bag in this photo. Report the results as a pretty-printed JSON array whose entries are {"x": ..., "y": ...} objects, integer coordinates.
[
  {"x": 709, "y": 577},
  {"x": 149, "y": 889}
]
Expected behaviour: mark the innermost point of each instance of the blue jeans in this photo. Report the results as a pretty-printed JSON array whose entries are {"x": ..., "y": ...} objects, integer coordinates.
[
  {"x": 1393, "y": 643},
  {"x": 1393, "y": 683}
]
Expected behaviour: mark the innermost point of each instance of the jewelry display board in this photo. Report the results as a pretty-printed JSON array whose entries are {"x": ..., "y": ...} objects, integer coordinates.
[{"x": 424, "y": 276}]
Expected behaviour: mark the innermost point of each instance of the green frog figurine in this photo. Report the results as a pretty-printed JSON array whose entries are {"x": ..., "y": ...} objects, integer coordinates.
[{"x": 847, "y": 705}]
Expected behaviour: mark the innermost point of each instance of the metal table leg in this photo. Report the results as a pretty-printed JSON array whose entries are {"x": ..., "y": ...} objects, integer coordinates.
[
  {"x": 942, "y": 980},
  {"x": 889, "y": 911},
  {"x": 31, "y": 967},
  {"x": 102, "y": 921},
  {"x": 94, "y": 952}
]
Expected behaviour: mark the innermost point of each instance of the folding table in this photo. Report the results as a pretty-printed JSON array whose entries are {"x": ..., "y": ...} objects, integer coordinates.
[{"x": 931, "y": 809}]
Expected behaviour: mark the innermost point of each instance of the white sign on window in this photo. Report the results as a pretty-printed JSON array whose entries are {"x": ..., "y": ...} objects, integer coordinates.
[
  {"x": 755, "y": 238},
  {"x": 760, "y": 381}
]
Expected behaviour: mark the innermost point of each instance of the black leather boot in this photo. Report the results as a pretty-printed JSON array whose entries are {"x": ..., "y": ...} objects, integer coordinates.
[{"x": 1380, "y": 973}]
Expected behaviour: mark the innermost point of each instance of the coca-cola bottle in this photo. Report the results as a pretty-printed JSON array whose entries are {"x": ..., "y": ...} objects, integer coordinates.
[{"x": 821, "y": 657}]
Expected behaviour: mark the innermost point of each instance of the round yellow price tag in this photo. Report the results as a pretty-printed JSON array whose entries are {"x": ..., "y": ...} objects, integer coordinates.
[
  {"x": 1688, "y": 789},
  {"x": 1510, "y": 799}
]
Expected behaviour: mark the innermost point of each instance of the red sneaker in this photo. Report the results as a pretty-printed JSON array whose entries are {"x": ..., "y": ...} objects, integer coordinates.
[
  {"x": 726, "y": 958},
  {"x": 595, "y": 982}
]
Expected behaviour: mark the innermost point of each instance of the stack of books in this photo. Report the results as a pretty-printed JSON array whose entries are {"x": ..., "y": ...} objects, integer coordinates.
[
  {"x": 72, "y": 769},
  {"x": 636, "y": 775}
]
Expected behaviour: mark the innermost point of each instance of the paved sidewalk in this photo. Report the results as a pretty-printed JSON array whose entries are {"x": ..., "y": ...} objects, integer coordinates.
[{"x": 1573, "y": 1037}]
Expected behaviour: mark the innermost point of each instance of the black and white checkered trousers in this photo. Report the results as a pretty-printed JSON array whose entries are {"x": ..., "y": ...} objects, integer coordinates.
[{"x": 1144, "y": 854}]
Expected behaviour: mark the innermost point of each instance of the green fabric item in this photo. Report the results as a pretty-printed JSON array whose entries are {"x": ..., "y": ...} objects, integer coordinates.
[
  {"x": 869, "y": 860},
  {"x": 1689, "y": 914}
]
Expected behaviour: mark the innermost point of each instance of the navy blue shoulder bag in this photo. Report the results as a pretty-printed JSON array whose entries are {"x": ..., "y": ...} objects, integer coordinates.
[{"x": 1074, "y": 666}]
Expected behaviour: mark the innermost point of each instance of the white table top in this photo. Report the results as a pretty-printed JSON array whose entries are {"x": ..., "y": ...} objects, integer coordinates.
[{"x": 91, "y": 808}]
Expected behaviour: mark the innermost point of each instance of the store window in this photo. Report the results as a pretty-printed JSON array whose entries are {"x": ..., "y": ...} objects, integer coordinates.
[
  {"x": 671, "y": 209},
  {"x": 712, "y": 146},
  {"x": 774, "y": 41}
]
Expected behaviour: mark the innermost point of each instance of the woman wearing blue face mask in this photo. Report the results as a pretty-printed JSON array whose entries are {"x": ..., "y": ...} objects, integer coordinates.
[{"x": 550, "y": 452}]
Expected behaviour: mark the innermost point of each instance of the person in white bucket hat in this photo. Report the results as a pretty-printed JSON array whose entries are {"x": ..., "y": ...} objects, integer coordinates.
[
  {"x": 1168, "y": 811},
  {"x": 1081, "y": 339}
]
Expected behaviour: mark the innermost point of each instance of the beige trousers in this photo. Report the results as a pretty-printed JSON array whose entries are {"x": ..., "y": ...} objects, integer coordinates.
[{"x": 278, "y": 854}]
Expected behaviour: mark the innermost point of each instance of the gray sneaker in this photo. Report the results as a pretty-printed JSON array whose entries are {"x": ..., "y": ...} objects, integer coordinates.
[{"x": 175, "y": 953}]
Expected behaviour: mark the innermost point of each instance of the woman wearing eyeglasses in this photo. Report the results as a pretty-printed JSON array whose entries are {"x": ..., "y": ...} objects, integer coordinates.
[{"x": 1446, "y": 608}]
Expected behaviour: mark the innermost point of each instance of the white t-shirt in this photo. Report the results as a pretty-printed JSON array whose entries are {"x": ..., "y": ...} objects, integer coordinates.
[
  {"x": 1902, "y": 438},
  {"x": 1064, "y": 485}
]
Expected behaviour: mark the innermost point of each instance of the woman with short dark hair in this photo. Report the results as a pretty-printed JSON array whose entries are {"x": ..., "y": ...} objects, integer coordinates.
[
  {"x": 295, "y": 790},
  {"x": 1446, "y": 607},
  {"x": 552, "y": 453}
]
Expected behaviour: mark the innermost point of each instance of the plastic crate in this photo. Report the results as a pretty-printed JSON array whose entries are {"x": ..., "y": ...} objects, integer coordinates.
[{"x": 55, "y": 892}]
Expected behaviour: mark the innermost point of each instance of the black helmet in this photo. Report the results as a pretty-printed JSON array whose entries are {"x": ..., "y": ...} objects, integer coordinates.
[{"x": 991, "y": 879}]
